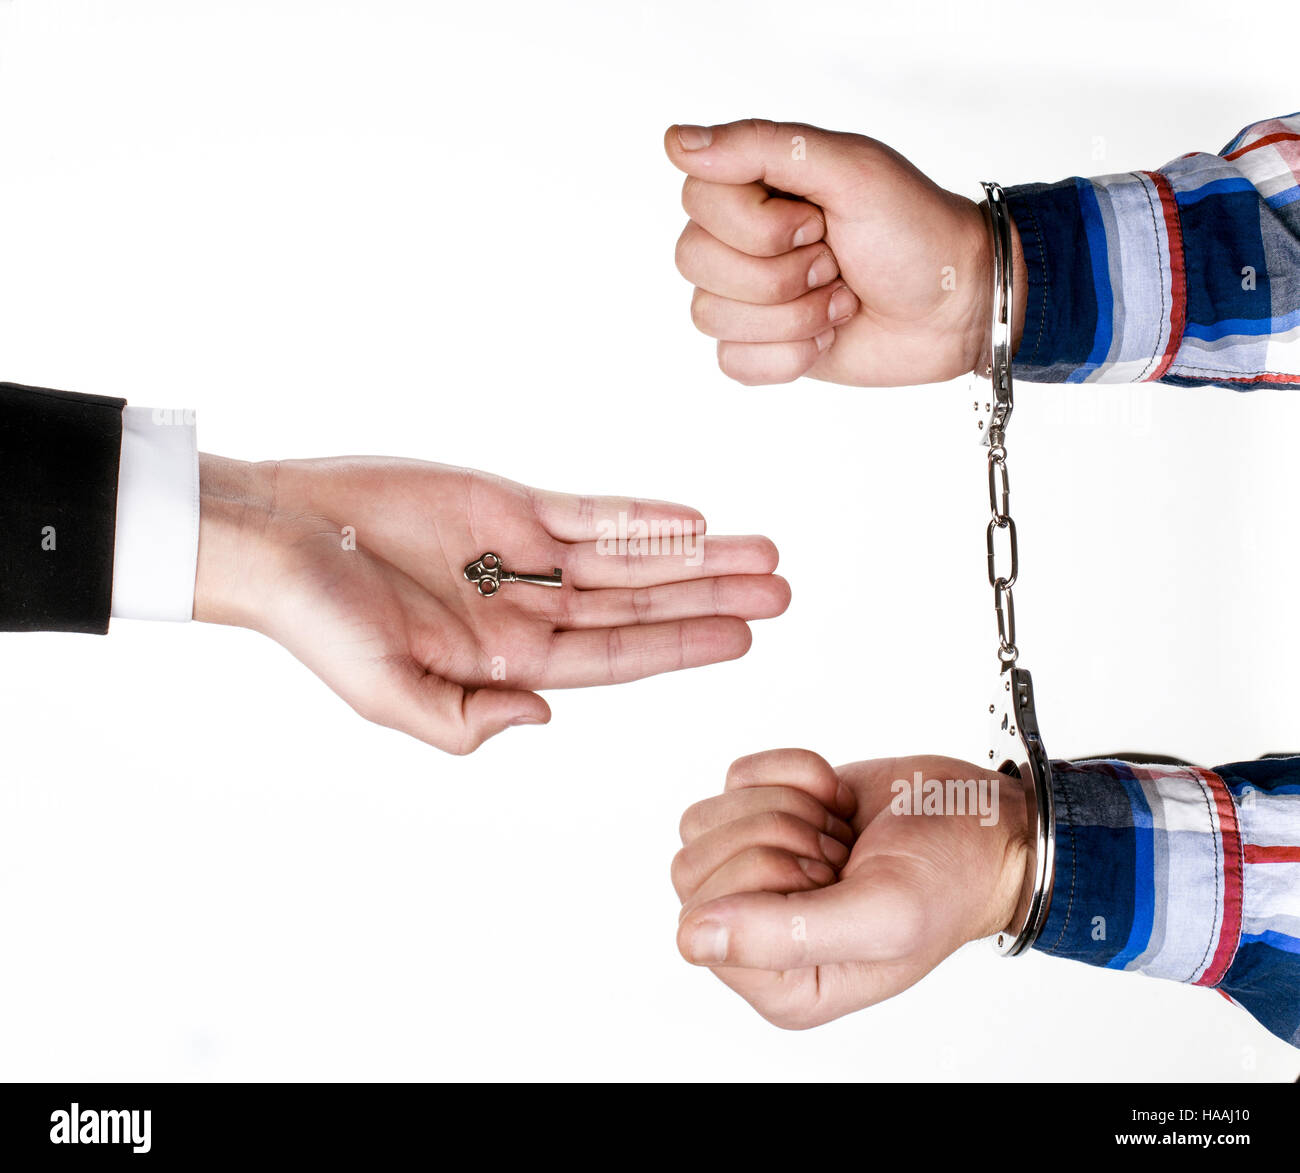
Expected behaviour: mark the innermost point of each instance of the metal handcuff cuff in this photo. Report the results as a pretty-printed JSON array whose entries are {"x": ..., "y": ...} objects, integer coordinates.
[{"x": 1016, "y": 745}]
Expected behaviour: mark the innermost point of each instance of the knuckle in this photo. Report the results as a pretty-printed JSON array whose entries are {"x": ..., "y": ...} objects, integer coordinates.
[
  {"x": 759, "y": 765},
  {"x": 690, "y": 820},
  {"x": 642, "y": 603},
  {"x": 683, "y": 251},
  {"x": 779, "y": 826},
  {"x": 700, "y": 310},
  {"x": 811, "y": 762},
  {"x": 691, "y": 190},
  {"x": 800, "y": 805},
  {"x": 680, "y": 871},
  {"x": 761, "y": 859},
  {"x": 762, "y": 130},
  {"x": 773, "y": 868},
  {"x": 740, "y": 769},
  {"x": 566, "y": 607}
]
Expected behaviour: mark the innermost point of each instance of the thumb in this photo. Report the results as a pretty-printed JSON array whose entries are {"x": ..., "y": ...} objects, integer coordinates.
[
  {"x": 798, "y": 159},
  {"x": 876, "y": 915},
  {"x": 453, "y": 718}
]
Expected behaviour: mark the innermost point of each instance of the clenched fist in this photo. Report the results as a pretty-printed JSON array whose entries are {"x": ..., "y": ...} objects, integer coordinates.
[
  {"x": 813, "y": 892},
  {"x": 830, "y": 255}
]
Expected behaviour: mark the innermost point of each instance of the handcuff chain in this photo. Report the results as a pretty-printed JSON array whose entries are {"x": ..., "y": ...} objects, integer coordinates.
[
  {"x": 998, "y": 370},
  {"x": 1000, "y": 519}
]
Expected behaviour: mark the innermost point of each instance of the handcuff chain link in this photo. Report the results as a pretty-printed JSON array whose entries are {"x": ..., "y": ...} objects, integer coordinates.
[
  {"x": 1000, "y": 519},
  {"x": 998, "y": 371}
]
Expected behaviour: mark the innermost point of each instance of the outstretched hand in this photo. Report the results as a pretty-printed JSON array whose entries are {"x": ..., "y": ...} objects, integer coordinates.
[
  {"x": 813, "y": 892},
  {"x": 356, "y": 565},
  {"x": 830, "y": 255}
]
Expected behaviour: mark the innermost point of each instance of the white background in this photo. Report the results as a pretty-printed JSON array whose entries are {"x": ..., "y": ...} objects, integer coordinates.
[{"x": 448, "y": 233}]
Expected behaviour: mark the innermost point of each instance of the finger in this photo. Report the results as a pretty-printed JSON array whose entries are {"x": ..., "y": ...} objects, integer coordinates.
[
  {"x": 747, "y": 596},
  {"x": 794, "y": 999},
  {"x": 749, "y": 217},
  {"x": 797, "y": 999},
  {"x": 616, "y": 655},
  {"x": 805, "y": 317},
  {"x": 757, "y": 364},
  {"x": 572, "y": 517},
  {"x": 705, "y": 261},
  {"x": 736, "y": 804},
  {"x": 872, "y": 785},
  {"x": 760, "y": 869},
  {"x": 800, "y": 769},
  {"x": 878, "y": 915},
  {"x": 818, "y": 164},
  {"x": 444, "y": 714},
  {"x": 790, "y": 1000},
  {"x": 642, "y": 560},
  {"x": 700, "y": 858}
]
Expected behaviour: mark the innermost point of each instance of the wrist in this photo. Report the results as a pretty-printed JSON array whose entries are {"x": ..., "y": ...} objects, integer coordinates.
[
  {"x": 983, "y": 340},
  {"x": 1019, "y": 286},
  {"x": 1014, "y": 886},
  {"x": 236, "y": 507}
]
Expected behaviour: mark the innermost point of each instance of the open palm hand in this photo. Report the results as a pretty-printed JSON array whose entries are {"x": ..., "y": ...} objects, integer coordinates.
[{"x": 356, "y": 565}]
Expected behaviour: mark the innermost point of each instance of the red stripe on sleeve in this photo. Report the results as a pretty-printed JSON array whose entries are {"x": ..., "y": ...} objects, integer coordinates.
[
  {"x": 1233, "y": 868},
  {"x": 1257, "y": 854},
  {"x": 1177, "y": 273},
  {"x": 1267, "y": 141},
  {"x": 1264, "y": 378}
]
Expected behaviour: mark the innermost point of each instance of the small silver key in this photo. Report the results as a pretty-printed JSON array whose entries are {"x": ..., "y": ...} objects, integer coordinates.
[{"x": 488, "y": 574}]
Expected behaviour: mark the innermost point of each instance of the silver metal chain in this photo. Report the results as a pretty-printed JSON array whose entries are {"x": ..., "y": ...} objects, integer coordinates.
[
  {"x": 1004, "y": 603},
  {"x": 993, "y": 424}
]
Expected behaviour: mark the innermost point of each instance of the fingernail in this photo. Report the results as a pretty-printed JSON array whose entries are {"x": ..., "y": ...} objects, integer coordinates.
[
  {"x": 815, "y": 870},
  {"x": 824, "y": 339},
  {"x": 843, "y": 305},
  {"x": 824, "y": 269},
  {"x": 709, "y": 944},
  {"x": 694, "y": 138},
  {"x": 809, "y": 231},
  {"x": 834, "y": 850},
  {"x": 528, "y": 721}
]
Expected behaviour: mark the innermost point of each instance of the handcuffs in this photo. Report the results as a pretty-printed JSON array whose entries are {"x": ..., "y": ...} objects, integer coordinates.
[{"x": 1015, "y": 742}]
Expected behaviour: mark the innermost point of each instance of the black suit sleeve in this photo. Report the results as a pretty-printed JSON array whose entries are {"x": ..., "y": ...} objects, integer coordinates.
[{"x": 59, "y": 456}]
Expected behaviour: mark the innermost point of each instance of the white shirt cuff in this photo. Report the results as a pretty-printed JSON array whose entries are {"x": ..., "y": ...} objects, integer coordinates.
[{"x": 156, "y": 551}]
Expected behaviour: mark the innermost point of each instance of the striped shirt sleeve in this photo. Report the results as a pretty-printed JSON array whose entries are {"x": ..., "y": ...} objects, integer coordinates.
[
  {"x": 1183, "y": 873},
  {"x": 1187, "y": 275}
]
